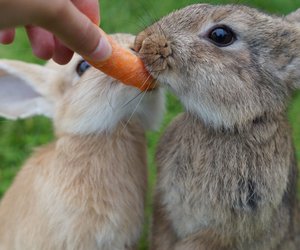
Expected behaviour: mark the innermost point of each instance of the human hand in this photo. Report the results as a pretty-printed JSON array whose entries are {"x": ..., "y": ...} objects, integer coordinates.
[{"x": 56, "y": 28}]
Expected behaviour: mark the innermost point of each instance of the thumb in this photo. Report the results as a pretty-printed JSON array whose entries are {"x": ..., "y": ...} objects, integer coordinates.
[{"x": 77, "y": 31}]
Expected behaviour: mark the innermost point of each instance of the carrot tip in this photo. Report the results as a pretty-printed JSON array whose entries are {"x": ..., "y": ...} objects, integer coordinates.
[{"x": 126, "y": 67}]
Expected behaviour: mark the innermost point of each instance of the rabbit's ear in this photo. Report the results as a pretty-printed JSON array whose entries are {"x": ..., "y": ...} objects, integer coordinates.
[
  {"x": 294, "y": 16},
  {"x": 25, "y": 90}
]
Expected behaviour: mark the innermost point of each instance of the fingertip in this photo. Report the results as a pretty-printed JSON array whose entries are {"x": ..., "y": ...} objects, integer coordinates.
[
  {"x": 62, "y": 54},
  {"x": 78, "y": 33},
  {"x": 43, "y": 53},
  {"x": 42, "y": 42},
  {"x": 7, "y": 36},
  {"x": 59, "y": 59}
]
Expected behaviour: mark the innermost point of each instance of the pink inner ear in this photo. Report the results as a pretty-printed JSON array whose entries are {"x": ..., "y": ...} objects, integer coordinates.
[
  {"x": 19, "y": 100},
  {"x": 14, "y": 89}
]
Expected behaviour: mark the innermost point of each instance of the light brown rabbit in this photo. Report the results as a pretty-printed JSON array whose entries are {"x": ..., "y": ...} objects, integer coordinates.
[
  {"x": 85, "y": 190},
  {"x": 226, "y": 167}
]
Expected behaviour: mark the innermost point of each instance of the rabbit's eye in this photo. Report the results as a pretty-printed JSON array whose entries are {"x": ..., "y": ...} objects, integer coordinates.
[
  {"x": 222, "y": 36},
  {"x": 82, "y": 66}
]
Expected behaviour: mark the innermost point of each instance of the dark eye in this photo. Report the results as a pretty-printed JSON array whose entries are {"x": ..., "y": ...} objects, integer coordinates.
[
  {"x": 222, "y": 36},
  {"x": 82, "y": 66}
]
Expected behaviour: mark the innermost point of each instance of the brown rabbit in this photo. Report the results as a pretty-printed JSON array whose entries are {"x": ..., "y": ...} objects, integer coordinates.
[
  {"x": 85, "y": 190},
  {"x": 226, "y": 167}
]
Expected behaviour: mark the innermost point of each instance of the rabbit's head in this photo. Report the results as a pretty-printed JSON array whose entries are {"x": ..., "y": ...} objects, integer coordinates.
[
  {"x": 81, "y": 99},
  {"x": 229, "y": 65}
]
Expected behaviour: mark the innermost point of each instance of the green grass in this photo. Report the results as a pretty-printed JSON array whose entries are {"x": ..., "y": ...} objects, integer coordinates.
[{"x": 18, "y": 138}]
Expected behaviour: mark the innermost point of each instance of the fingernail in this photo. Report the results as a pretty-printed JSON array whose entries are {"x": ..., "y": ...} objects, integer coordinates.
[{"x": 103, "y": 50}]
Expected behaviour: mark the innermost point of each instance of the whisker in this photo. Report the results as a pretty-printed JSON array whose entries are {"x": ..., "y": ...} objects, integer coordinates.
[
  {"x": 152, "y": 63},
  {"x": 132, "y": 99},
  {"x": 94, "y": 77},
  {"x": 155, "y": 85},
  {"x": 150, "y": 15},
  {"x": 145, "y": 23},
  {"x": 142, "y": 53},
  {"x": 162, "y": 30},
  {"x": 135, "y": 109},
  {"x": 156, "y": 71},
  {"x": 109, "y": 100},
  {"x": 148, "y": 18}
]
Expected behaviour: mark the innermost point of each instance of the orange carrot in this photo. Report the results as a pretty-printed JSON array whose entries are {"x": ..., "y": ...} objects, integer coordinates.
[{"x": 126, "y": 67}]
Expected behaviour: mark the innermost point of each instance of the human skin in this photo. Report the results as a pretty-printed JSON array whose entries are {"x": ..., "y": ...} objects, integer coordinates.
[{"x": 56, "y": 28}]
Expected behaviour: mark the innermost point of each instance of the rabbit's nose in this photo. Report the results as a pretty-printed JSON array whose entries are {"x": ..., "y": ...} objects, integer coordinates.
[
  {"x": 156, "y": 46},
  {"x": 165, "y": 49},
  {"x": 155, "y": 51}
]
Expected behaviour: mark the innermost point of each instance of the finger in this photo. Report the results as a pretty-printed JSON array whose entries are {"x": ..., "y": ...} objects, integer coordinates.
[
  {"x": 42, "y": 42},
  {"x": 90, "y": 8},
  {"x": 77, "y": 32},
  {"x": 62, "y": 54},
  {"x": 7, "y": 36}
]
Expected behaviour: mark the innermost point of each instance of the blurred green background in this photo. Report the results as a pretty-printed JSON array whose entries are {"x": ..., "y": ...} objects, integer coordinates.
[{"x": 18, "y": 138}]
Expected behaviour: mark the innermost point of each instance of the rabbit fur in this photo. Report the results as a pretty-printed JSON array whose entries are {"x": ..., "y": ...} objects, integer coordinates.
[
  {"x": 85, "y": 190},
  {"x": 227, "y": 173}
]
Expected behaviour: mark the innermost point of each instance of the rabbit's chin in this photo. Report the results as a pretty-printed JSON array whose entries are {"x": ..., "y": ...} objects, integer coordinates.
[
  {"x": 103, "y": 111},
  {"x": 211, "y": 116},
  {"x": 217, "y": 112}
]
